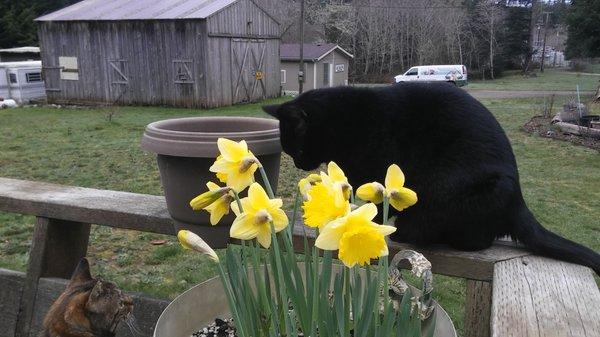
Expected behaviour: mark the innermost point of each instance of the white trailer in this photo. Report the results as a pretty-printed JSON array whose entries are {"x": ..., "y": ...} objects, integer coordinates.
[{"x": 22, "y": 81}]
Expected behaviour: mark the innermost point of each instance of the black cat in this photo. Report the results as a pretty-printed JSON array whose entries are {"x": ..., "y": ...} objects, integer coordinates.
[{"x": 454, "y": 153}]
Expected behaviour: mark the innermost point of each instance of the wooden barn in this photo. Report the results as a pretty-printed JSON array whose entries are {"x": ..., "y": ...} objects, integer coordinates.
[{"x": 189, "y": 53}]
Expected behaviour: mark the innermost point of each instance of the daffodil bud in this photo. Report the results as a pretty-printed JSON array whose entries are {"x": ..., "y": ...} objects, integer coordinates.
[
  {"x": 372, "y": 192},
  {"x": 207, "y": 198},
  {"x": 190, "y": 240}
]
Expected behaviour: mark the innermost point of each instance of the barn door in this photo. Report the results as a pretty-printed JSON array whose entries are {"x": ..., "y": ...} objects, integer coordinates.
[
  {"x": 247, "y": 71},
  {"x": 118, "y": 78},
  {"x": 51, "y": 77}
]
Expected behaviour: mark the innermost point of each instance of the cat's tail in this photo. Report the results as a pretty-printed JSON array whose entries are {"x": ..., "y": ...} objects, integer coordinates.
[{"x": 543, "y": 242}]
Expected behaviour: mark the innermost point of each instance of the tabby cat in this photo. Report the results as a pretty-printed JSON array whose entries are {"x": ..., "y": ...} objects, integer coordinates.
[
  {"x": 452, "y": 150},
  {"x": 89, "y": 307}
]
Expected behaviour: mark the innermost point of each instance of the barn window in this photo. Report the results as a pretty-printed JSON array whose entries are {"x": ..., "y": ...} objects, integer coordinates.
[
  {"x": 283, "y": 76},
  {"x": 69, "y": 69},
  {"x": 12, "y": 78},
  {"x": 118, "y": 72},
  {"x": 33, "y": 77},
  {"x": 182, "y": 69}
]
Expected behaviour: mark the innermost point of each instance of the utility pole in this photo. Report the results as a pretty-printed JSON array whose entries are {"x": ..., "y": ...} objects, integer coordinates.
[
  {"x": 301, "y": 65},
  {"x": 544, "y": 46}
]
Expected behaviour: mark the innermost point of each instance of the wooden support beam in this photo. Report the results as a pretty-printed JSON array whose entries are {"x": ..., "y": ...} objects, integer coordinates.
[
  {"x": 56, "y": 248},
  {"x": 478, "y": 308}
]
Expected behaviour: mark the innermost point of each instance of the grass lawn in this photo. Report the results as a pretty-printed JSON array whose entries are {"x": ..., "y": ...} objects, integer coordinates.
[
  {"x": 550, "y": 79},
  {"x": 561, "y": 183}
]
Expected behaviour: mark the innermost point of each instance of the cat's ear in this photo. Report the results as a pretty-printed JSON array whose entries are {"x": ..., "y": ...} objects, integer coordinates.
[
  {"x": 82, "y": 273},
  {"x": 272, "y": 110}
]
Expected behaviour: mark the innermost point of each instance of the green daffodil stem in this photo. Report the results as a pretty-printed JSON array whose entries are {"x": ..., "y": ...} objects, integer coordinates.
[
  {"x": 296, "y": 206},
  {"x": 386, "y": 209},
  {"x": 315, "y": 294},
  {"x": 237, "y": 200},
  {"x": 263, "y": 174},
  {"x": 347, "y": 302}
]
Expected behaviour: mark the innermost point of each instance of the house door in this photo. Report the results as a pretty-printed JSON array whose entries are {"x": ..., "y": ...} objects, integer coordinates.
[{"x": 247, "y": 70}]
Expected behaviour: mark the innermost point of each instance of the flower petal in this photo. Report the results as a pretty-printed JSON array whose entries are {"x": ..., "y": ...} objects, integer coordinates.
[
  {"x": 264, "y": 236},
  {"x": 394, "y": 179},
  {"x": 329, "y": 237},
  {"x": 403, "y": 198},
  {"x": 243, "y": 227},
  {"x": 232, "y": 151},
  {"x": 335, "y": 173},
  {"x": 239, "y": 181},
  {"x": 366, "y": 212},
  {"x": 280, "y": 219},
  {"x": 258, "y": 197},
  {"x": 218, "y": 209}
]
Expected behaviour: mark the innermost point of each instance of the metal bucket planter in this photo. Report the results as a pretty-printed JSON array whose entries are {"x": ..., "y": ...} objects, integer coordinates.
[
  {"x": 200, "y": 305},
  {"x": 187, "y": 147}
]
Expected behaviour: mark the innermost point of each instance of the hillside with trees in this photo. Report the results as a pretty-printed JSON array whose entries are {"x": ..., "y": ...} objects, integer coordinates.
[{"x": 17, "y": 27}]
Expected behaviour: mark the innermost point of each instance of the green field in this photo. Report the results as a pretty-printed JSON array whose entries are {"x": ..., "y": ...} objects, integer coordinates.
[
  {"x": 561, "y": 184},
  {"x": 548, "y": 80}
]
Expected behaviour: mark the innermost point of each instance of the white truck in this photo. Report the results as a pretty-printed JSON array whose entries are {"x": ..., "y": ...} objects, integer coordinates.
[{"x": 454, "y": 73}]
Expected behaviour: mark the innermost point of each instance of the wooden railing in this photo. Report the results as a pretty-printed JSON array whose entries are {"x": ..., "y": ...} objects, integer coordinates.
[{"x": 509, "y": 291}]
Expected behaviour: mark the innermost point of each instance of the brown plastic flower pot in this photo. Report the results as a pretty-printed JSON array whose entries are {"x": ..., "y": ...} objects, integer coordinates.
[{"x": 187, "y": 147}]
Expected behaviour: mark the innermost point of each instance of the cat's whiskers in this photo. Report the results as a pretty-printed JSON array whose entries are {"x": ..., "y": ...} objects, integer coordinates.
[{"x": 133, "y": 326}]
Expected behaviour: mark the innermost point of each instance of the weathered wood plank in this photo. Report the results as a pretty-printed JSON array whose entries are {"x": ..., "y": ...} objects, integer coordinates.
[
  {"x": 146, "y": 309},
  {"x": 478, "y": 309},
  {"x": 11, "y": 287},
  {"x": 536, "y": 296},
  {"x": 477, "y": 265},
  {"x": 56, "y": 248},
  {"x": 142, "y": 212}
]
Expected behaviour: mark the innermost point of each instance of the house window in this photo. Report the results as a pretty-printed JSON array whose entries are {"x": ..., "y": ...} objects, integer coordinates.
[
  {"x": 69, "y": 70},
  {"x": 33, "y": 77},
  {"x": 283, "y": 77},
  {"x": 326, "y": 77},
  {"x": 12, "y": 78}
]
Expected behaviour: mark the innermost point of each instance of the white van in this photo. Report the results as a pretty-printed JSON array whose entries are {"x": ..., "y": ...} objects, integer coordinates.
[{"x": 455, "y": 73}]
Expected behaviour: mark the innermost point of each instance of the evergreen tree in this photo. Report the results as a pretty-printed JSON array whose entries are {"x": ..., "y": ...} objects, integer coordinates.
[
  {"x": 17, "y": 27},
  {"x": 583, "y": 21}
]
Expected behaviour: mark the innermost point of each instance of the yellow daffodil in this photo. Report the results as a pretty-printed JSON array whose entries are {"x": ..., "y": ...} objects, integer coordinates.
[
  {"x": 305, "y": 184},
  {"x": 400, "y": 196},
  {"x": 356, "y": 236},
  {"x": 258, "y": 213},
  {"x": 340, "y": 181},
  {"x": 190, "y": 240},
  {"x": 321, "y": 206},
  {"x": 236, "y": 164}
]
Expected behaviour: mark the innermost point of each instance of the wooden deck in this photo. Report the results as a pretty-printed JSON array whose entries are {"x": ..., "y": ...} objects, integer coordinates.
[{"x": 510, "y": 292}]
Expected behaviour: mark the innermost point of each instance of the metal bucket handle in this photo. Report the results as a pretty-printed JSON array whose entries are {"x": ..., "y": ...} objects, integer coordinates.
[{"x": 420, "y": 267}]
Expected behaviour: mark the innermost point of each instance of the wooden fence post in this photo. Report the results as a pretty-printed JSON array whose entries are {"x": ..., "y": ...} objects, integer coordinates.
[
  {"x": 56, "y": 248},
  {"x": 478, "y": 308}
]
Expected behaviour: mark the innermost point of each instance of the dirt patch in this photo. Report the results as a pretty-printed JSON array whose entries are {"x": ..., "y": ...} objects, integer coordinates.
[{"x": 541, "y": 126}]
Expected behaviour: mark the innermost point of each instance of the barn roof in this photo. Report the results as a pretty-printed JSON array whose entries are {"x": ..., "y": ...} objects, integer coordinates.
[
  {"x": 113, "y": 10},
  {"x": 312, "y": 52}
]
